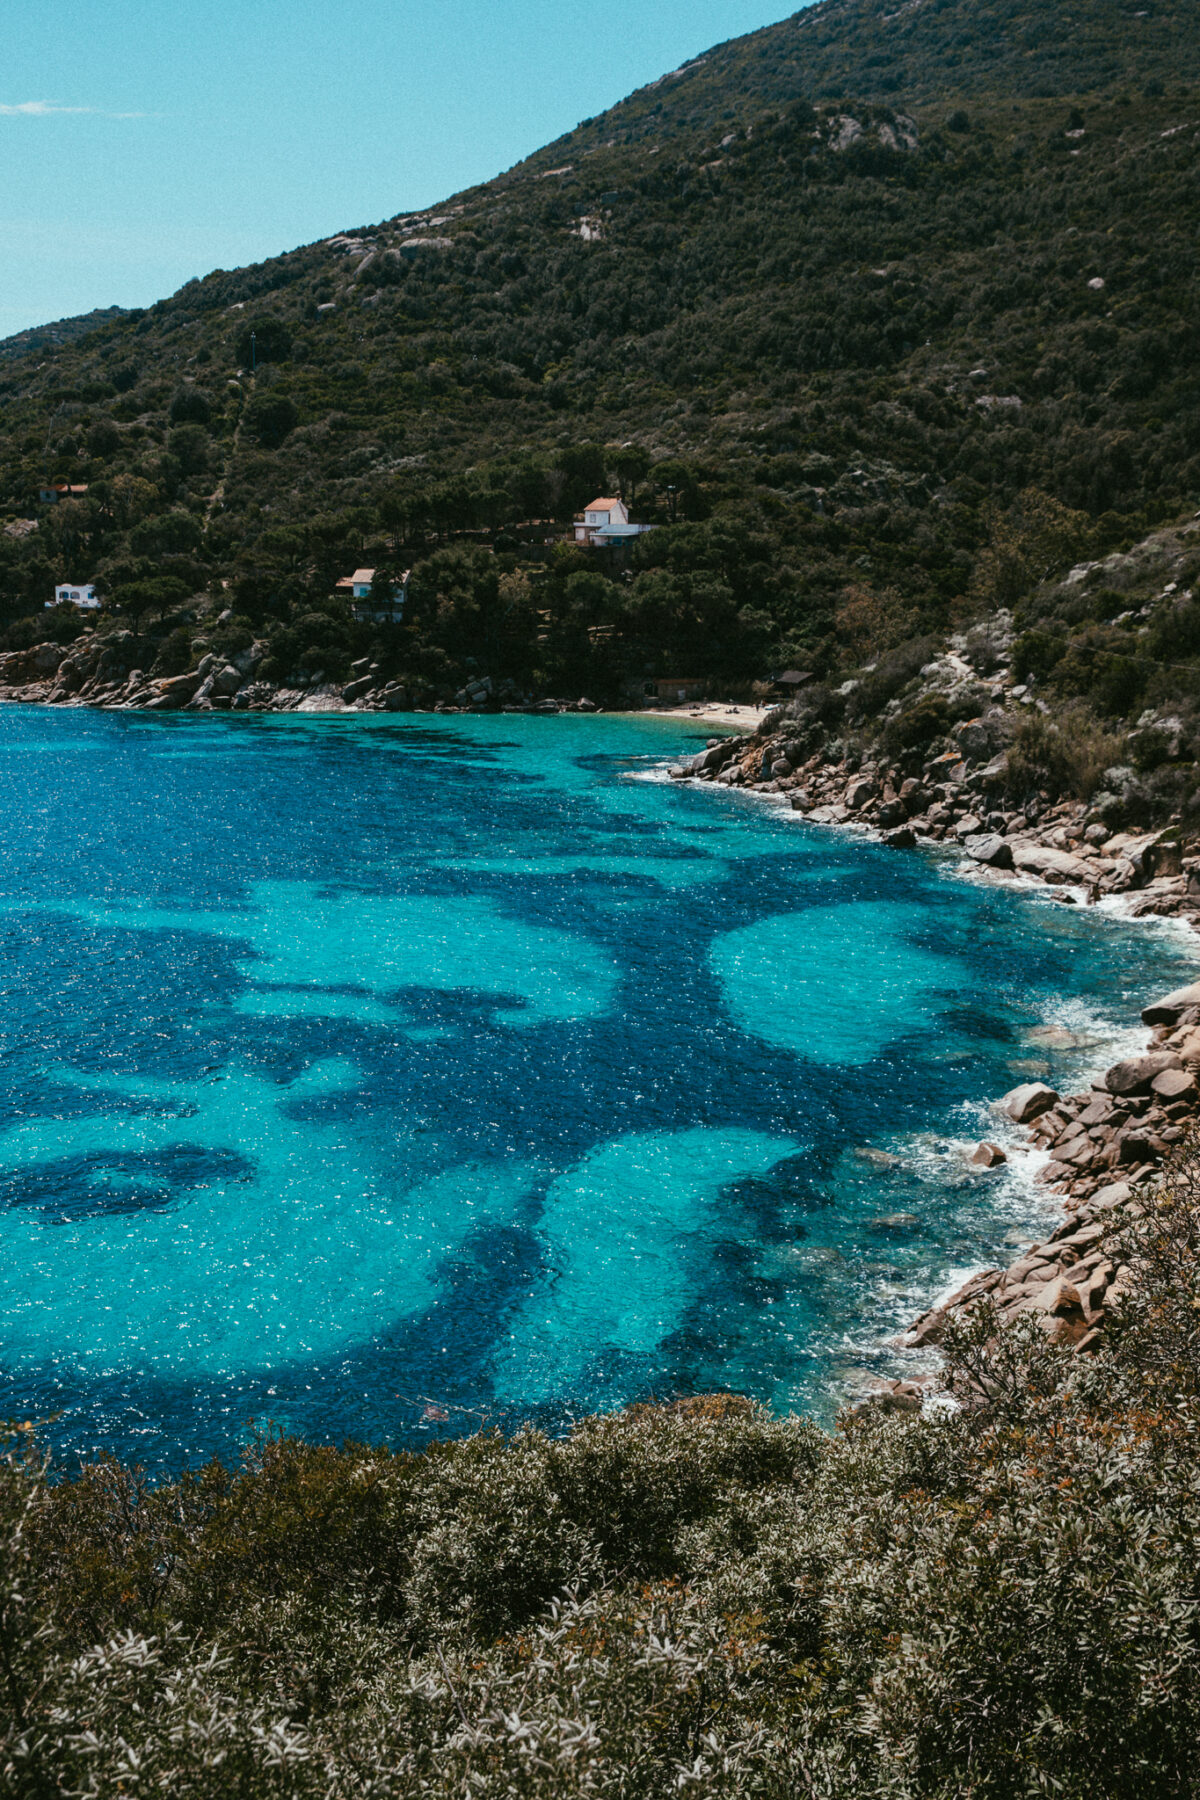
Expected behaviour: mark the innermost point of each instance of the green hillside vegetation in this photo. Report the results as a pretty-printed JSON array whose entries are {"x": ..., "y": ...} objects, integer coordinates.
[
  {"x": 822, "y": 306},
  {"x": 993, "y": 1601}
]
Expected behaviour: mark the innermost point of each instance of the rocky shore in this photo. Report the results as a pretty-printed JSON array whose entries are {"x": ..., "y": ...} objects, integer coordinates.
[
  {"x": 1104, "y": 1146},
  {"x": 101, "y": 672}
]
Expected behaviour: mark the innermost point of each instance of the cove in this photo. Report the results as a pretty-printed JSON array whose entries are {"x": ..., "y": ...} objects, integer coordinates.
[{"x": 377, "y": 1076}]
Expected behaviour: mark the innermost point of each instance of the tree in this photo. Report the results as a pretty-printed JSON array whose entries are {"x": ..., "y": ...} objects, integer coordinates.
[
  {"x": 190, "y": 406},
  {"x": 157, "y": 594},
  {"x": 1034, "y": 538},
  {"x": 262, "y": 340},
  {"x": 103, "y": 439},
  {"x": 270, "y": 418},
  {"x": 632, "y": 464},
  {"x": 582, "y": 466},
  {"x": 189, "y": 445}
]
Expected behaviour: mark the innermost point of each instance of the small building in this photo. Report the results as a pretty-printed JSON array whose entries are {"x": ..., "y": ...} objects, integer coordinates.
[
  {"x": 791, "y": 681},
  {"x": 62, "y": 490},
  {"x": 81, "y": 593},
  {"x": 606, "y": 522},
  {"x": 674, "y": 690},
  {"x": 367, "y": 606}
]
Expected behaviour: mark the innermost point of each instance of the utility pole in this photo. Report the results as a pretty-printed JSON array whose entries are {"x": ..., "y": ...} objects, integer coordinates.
[{"x": 253, "y": 353}]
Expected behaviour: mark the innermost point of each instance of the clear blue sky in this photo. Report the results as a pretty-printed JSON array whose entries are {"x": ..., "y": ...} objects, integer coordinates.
[{"x": 142, "y": 144}]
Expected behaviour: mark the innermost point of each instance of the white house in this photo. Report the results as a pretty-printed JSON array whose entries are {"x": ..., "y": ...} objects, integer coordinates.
[
  {"x": 82, "y": 594},
  {"x": 357, "y": 588},
  {"x": 606, "y": 522}
]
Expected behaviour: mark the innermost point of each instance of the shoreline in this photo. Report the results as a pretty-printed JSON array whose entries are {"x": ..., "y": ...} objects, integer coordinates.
[{"x": 1099, "y": 1148}]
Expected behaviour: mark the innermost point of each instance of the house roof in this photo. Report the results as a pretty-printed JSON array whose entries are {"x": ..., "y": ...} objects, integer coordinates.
[
  {"x": 601, "y": 505},
  {"x": 358, "y": 578},
  {"x": 794, "y": 677}
]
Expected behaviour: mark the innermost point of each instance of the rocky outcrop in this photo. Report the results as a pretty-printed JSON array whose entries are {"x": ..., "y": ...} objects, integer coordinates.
[
  {"x": 953, "y": 803},
  {"x": 99, "y": 671},
  {"x": 1105, "y": 1147}
]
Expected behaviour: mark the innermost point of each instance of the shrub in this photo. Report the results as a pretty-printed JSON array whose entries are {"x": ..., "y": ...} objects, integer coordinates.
[
  {"x": 1066, "y": 754},
  {"x": 262, "y": 340},
  {"x": 918, "y": 726},
  {"x": 174, "y": 653},
  {"x": 190, "y": 406},
  {"x": 270, "y": 418}
]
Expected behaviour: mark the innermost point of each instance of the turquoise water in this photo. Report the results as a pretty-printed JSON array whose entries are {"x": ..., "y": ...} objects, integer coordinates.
[{"x": 376, "y": 1076}]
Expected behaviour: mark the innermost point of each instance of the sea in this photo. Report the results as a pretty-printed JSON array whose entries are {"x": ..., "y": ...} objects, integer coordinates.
[{"x": 390, "y": 1077}]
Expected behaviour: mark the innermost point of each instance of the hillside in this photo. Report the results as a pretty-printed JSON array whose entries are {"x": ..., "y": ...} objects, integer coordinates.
[{"x": 824, "y": 305}]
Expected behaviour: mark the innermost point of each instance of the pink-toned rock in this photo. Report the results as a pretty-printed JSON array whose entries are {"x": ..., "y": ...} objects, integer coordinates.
[
  {"x": 860, "y": 792},
  {"x": 1029, "y": 1101},
  {"x": 1052, "y": 865},
  {"x": 1059, "y": 1297},
  {"x": 1167, "y": 1010},
  {"x": 1174, "y": 1084},
  {"x": 1135, "y": 1075},
  {"x": 988, "y": 1156}
]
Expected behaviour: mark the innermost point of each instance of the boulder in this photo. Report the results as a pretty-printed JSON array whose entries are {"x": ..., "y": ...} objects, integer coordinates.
[
  {"x": 354, "y": 690},
  {"x": 717, "y": 755},
  {"x": 1052, "y": 865},
  {"x": 988, "y": 1156},
  {"x": 1167, "y": 1010},
  {"x": 1029, "y": 1102},
  {"x": 1136, "y": 1075},
  {"x": 184, "y": 685},
  {"x": 990, "y": 848},
  {"x": 903, "y": 838},
  {"x": 968, "y": 826},
  {"x": 860, "y": 793},
  {"x": 1174, "y": 1084},
  {"x": 1165, "y": 857}
]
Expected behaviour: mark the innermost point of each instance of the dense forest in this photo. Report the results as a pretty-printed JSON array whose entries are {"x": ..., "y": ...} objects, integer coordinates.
[{"x": 839, "y": 309}]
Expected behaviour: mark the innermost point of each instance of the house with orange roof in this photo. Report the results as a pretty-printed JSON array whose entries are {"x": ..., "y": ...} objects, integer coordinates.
[
  {"x": 357, "y": 589},
  {"x": 605, "y": 521}
]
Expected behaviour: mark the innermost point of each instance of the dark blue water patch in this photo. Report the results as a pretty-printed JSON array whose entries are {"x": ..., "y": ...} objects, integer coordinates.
[
  {"x": 94, "y": 1184},
  {"x": 514, "y": 1086}
]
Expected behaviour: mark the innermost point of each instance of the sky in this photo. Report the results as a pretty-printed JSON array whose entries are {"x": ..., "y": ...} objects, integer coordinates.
[{"x": 143, "y": 144}]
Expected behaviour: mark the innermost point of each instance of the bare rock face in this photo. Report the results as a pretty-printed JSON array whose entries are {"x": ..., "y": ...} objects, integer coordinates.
[
  {"x": 1137, "y": 1074},
  {"x": 1028, "y": 1102},
  {"x": 988, "y": 1156},
  {"x": 1169, "y": 1009},
  {"x": 1173, "y": 1085},
  {"x": 860, "y": 793},
  {"x": 1052, "y": 865},
  {"x": 989, "y": 848}
]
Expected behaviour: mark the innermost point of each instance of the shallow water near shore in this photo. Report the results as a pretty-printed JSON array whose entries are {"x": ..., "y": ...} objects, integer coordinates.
[{"x": 378, "y": 1076}]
